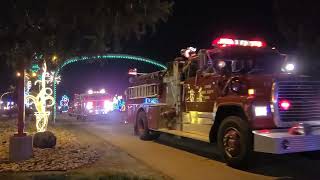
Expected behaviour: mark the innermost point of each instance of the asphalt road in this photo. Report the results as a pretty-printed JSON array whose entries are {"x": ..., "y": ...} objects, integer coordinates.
[{"x": 186, "y": 159}]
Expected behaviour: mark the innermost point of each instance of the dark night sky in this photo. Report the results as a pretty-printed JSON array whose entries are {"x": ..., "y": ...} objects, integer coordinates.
[{"x": 192, "y": 24}]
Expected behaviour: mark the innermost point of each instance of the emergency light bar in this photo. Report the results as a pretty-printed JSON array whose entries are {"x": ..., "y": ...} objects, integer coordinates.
[
  {"x": 133, "y": 71},
  {"x": 224, "y": 42}
]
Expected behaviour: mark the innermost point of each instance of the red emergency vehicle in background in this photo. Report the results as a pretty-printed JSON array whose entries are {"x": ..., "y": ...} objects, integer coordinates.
[
  {"x": 240, "y": 94},
  {"x": 92, "y": 104}
]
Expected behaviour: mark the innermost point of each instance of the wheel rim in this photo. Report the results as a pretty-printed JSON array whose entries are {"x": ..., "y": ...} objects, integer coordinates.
[{"x": 231, "y": 142}]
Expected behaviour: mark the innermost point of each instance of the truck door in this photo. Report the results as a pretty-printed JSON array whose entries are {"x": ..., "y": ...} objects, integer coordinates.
[
  {"x": 201, "y": 91},
  {"x": 208, "y": 90},
  {"x": 189, "y": 89}
]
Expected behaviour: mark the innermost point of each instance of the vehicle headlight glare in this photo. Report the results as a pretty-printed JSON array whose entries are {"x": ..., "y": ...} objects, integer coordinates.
[
  {"x": 89, "y": 105},
  {"x": 289, "y": 67},
  {"x": 261, "y": 110}
]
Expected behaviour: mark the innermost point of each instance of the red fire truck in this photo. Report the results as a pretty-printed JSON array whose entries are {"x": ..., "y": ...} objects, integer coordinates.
[
  {"x": 240, "y": 94},
  {"x": 92, "y": 104}
]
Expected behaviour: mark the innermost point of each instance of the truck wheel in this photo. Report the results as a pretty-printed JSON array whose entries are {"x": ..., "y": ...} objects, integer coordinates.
[
  {"x": 141, "y": 128},
  {"x": 235, "y": 141}
]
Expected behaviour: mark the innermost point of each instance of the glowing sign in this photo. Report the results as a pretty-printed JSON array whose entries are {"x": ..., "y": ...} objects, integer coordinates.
[{"x": 151, "y": 100}]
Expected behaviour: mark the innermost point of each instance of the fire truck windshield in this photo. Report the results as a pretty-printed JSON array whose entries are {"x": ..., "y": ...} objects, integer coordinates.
[{"x": 248, "y": 60}]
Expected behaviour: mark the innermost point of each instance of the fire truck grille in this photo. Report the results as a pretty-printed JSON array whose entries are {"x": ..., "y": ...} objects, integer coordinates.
[{"x": 304, "y": 99}]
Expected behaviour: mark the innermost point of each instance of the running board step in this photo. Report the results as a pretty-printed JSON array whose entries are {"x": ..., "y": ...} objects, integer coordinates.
[{"x": 185, "y": 134}]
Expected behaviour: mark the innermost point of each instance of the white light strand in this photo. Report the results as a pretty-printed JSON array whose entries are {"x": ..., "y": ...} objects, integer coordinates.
[
  {"x": 50, "y": 77},
  {"x": 40, "y": 102}
]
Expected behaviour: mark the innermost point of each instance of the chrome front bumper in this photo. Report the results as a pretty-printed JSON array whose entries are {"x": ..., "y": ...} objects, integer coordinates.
[{"x": 279, "y": 141}]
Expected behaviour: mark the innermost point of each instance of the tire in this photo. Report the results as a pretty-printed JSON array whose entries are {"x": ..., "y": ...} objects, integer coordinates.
[
  {"x": 142, "y": 130},
  {"x": 235, "y": 141}
]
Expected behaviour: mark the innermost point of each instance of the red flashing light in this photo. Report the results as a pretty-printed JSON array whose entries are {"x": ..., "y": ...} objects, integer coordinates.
[
  {"x": 257, "y": 43},
  {"x": 224, "y": 42},
  {"x": 284, "y": 104},
  {"x": 264, "y": 131}
]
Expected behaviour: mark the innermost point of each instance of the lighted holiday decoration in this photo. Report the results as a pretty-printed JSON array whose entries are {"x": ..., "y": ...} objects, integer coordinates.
[
  {"x": 64, "y": 103},
  {"x": 27, "y": 93},
  {"x": 51, "y": 77},
  {"x": 35, "y": 68},
  {"x": 40, "y": 101},
  {"x": 118, "y": 103}
]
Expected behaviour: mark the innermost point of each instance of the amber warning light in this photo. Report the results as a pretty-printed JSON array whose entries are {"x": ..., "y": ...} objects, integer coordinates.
[{"x": 226, "y": 42}]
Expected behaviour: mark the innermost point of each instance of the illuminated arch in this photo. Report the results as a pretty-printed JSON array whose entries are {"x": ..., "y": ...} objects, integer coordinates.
[{"x": 101, "y": 57}]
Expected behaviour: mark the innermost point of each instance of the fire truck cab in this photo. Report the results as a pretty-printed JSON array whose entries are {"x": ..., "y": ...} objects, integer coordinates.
[{"x": 240, "y": 94}]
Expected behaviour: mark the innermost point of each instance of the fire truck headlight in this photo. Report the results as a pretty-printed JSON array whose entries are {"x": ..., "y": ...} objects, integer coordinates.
[
  {"x": 108, "y": 106},
  {"x": 289, "y": 67},
  {"x": 89, "y": 105},
  {"x": 260, "y": 110}
]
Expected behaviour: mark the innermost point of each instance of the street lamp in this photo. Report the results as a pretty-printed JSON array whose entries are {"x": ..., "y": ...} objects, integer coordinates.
[
  {"x": 54, "y": 58},
  {"x": 18, "y": 74}
]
